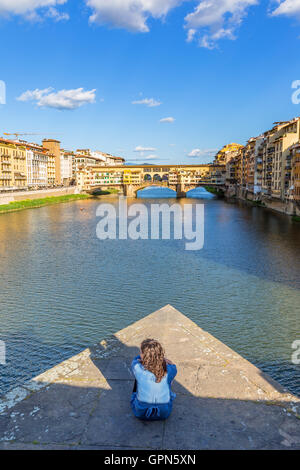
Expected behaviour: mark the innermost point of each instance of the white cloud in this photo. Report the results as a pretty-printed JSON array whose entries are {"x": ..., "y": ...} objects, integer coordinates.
[
  {"x": 31, "y": 9},
  {"x": 213, "y": 20},
  {"x": 130, "y": 14},
  {"x": 167, "y": 119},
  {"x": 57, "y": 15},
  {"x": 34, "y": 94},
  {"x": 144, "y": 149},
  {"x": 288, "y": 8},
  {"x": 191, "y": 34},
  {"x": 150, "y": 102},
  {"x": 62, "y": 100},
  {"x": 210, "y": 21},
  {"x": 197, "y": 153}
]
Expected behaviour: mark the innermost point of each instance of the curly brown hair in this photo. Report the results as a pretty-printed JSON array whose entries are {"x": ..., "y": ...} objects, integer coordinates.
[{"x": 153, "y": 358}]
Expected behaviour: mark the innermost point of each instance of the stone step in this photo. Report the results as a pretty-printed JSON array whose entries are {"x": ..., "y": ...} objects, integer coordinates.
[{"x": 223, "y": 401}]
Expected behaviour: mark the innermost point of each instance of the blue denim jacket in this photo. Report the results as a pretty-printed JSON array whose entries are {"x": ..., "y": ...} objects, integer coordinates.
[{"x": 152, "y": 400}]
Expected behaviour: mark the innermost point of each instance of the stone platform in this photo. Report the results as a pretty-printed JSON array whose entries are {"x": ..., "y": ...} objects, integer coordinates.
[{"x": 223, "y": 401}]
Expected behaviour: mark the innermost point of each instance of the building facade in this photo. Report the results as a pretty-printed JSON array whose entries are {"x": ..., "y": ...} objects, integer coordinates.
[
  {"x": 66, "y": 167},
  {"x": 13, "y": 169},
  {"x": 51, "y": 170},
  {"x": 227, "y": 153},
  {"x": 139, "y": 175},
  {"x": 53, "y": 146},
  {"x": 37, "y": 166},
  {"x": 267, "y": 168},
  {"x": 295, "y": 188}
]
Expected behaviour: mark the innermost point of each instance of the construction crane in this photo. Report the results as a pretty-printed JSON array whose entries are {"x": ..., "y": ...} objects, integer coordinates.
[{"x": 17, "y": 134}]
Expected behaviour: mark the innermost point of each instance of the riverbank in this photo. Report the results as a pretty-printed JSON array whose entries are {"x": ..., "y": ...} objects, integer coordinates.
[
  {"x": 36, "y": 203},
  {"x": 106, "y": 192},
  {"x": 15, "y": 196},
  {"x": 31, "y": 200},
  {"x": 217, "y": 192},
  {"x": 83, "y": 403},
  {"x": 290, "y": 208}
]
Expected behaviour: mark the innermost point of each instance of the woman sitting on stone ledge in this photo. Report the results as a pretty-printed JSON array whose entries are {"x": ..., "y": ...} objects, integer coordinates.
[{"x": 152, "y": 397}]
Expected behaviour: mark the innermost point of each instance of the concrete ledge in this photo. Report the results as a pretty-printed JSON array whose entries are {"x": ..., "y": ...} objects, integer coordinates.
[{"x": 223, "y": 401}]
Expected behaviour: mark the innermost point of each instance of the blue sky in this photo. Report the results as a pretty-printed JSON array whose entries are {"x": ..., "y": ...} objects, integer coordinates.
[{"x": 223, "y": 72}]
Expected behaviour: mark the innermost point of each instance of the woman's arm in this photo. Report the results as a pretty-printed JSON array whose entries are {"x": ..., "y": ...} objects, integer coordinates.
[
  {"x": 172, "y": 372},
  {"x": 136, "y": 360}
]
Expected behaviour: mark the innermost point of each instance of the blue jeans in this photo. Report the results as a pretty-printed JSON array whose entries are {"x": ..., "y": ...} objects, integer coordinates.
[{"x": 148, "y": 411}]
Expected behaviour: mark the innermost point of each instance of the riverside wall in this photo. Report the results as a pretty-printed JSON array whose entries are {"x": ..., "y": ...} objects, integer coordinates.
[
  {"x": 285, "y": 207},
  {"x": 7, "y": 198}
]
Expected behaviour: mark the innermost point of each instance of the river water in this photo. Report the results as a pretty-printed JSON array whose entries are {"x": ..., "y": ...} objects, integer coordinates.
[{"x": 62, "y": 289}]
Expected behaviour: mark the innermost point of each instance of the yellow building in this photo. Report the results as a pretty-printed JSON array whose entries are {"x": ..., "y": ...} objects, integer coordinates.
[
  {"x": 132, "y": 176},
  {"x": 227, "y": 153},
  {"x": 6, "y": 165},
  {"x": 13, "y": 168},
  {"x": 51, "y": 169}
]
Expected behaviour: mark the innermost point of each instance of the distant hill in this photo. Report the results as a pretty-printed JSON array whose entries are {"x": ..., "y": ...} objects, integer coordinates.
[{"x": 148, "y": 164}]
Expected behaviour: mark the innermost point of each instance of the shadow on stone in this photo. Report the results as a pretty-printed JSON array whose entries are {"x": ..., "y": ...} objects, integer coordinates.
[{"x": 223, "y": 401}]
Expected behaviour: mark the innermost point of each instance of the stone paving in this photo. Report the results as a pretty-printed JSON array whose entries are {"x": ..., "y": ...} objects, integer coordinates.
[{"x": 223, "y": 401}]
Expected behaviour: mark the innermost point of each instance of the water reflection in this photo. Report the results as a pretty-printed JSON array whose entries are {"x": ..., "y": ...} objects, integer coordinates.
[
  {"x": 156, "y": 192},
  {"x": 61, "y": 289},
  {"x": 199, "y": 193}
]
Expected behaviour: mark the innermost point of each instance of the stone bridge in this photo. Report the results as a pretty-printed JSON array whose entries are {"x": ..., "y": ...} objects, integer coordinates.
[
  {"x": 181, "y": 190},
  {"x": 130, "y": 179},
  {"x": 131, "y": 190}
]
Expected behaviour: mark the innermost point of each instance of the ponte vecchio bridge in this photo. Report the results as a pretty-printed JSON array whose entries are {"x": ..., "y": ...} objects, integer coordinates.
[{"x": 132, "y": 178}]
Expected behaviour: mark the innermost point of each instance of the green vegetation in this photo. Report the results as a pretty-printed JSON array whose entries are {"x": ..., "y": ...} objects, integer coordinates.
[
  {"x": 101, "y": 192},
  {"x": 256, "y": 203},
  {"x": 34, "y": 203},
  {"x": 296, "y": 218},
  {"x": 211, "y": 189}
]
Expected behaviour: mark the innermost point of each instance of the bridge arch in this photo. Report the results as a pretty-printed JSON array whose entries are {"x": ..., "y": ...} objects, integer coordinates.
[
  {"x": 147, "y": 177},
  {"x": 155, "y": 184},
  {"x": 157, "y": 177}
]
